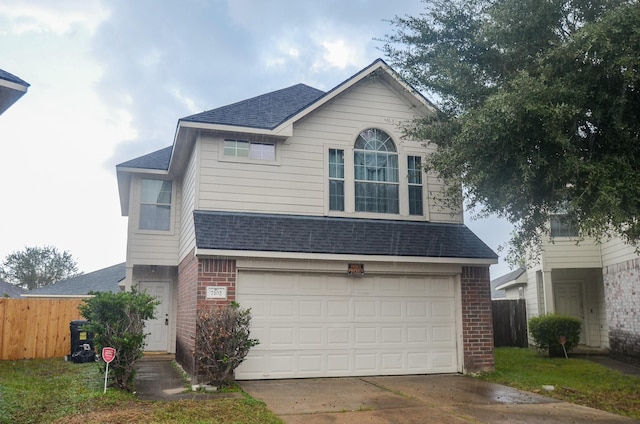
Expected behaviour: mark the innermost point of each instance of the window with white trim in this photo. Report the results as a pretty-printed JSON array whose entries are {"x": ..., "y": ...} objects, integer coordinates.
[
  {"x": 250, "y": 149},
  {"x": 376, "y": 172},
  {"x": 336, "y": 180},
  {"x": 155, "y": 205},
  {"x": 563, "y": 226},
  {"x": 414, "y": 179}
]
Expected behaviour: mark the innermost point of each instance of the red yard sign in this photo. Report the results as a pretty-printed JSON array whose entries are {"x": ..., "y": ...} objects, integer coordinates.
[{"x": 108, "y": 353}]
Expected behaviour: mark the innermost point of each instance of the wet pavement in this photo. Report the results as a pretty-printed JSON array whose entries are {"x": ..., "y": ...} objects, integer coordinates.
[
  {"x": 376, "y": 400},
  {"x": 414, "y": 399}
]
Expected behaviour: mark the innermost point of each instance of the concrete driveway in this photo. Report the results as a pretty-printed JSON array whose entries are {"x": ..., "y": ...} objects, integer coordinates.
[{"x": 414, "y": 399}]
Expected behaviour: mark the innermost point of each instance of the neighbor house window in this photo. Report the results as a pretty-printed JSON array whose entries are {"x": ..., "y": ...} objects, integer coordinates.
[
  {"x": 250, "y": 149},
  {"x": 563, "y": 226},
  {"x": 375, "y": 172},
  {"x": 336, "y": 180},
  {"x": 414, "y": 178},
  {"x": 155, "y": 205}
]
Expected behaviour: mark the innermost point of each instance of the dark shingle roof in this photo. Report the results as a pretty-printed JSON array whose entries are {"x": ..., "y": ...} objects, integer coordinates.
[
  {"x": 513, "y": 275},
  {"x": 266, "y": 111},
  {"x": 10, "y": 77},
  {"x": 102, "y": 280},
  {"x": 9, "y": 290},
  {"x": 331, "y": 235},
  {"x": 156, "y": 160}
]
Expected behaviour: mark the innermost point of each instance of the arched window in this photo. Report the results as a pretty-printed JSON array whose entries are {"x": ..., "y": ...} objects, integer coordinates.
[{"x": 376, "y": 172}]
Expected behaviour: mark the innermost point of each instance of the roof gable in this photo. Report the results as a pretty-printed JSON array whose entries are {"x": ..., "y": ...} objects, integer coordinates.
[{"x": 333, "y": 235}]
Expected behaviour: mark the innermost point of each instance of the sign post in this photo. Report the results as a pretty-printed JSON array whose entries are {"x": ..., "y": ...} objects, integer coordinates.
[{"x": 108, "y": 353}]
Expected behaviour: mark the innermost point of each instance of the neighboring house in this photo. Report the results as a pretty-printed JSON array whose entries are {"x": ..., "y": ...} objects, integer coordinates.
[
  {"x": 11, "y": 89},
  {"x": 9, "y": 290},
  {"x": 599, "y": 283},
  {"x": 102, "y": 280},
  {"x": 310, "y": 208},
  {"x": 511, "y": 285}
]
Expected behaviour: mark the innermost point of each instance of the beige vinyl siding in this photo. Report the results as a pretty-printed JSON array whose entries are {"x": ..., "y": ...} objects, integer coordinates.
[
  {"x": 564, "y": 253},
  {"x": 292, "y": 186},
  {"x": 297, "y": 181},
  {"x": 188, "y": 205},
  {"x": 153, "y": 247},
  {"x": 616, "y": 251},
  {"x": 531, "y": 292}
]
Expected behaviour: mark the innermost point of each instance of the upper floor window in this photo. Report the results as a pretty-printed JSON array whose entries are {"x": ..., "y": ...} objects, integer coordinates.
[
  {"x": 155, "y": 205},
  {"x": 414, "y": 178},
  {"x": 375, "y": 172},
  {"x": 250, "y": 149},
  {"x": 563, "y": 226},
  {"x": 336, "y": 180}
]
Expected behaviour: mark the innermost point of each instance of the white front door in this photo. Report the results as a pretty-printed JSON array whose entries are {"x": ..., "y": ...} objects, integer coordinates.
[
  {"x": 568, "y": 297},
  {"x": 157, "y": 329}
]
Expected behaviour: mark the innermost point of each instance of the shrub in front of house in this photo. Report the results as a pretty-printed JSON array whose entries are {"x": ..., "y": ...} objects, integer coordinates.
[
  {"x": 117, "y": 320},
  {"x": 548, "y": 331},
  {"x": 222, "y": 342}
]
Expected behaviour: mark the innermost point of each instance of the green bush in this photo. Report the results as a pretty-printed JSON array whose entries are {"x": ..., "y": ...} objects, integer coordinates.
[
  {"x": 546, "y": 331},
  {"x": 222, "y": 342},
  {"x": 117, "y": 320}
]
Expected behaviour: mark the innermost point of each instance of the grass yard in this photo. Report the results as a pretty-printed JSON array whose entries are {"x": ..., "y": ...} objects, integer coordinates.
[
  {"x": 575, "y": 380},
  {"x": 54, "y": 391}
]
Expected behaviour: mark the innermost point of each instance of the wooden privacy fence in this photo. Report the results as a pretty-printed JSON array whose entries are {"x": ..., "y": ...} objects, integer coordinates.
[
  {"x": 510, "y": 323},
  {"x": 36, "y": 328}
]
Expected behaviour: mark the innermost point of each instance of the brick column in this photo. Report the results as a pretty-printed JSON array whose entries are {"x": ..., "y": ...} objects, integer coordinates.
[
  {"x": 477, "y": 320},
  {"x": 622, "y": 297},
  {"x": 186, "y": 312}
]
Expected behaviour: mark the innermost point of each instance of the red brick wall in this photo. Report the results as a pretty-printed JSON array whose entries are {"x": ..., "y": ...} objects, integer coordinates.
[
  {"x": 216, "y": 273},
  {"x": 477, "y": 320},
  {"x": 194, "y": 276},
  {"x": 186, "y": 314}
]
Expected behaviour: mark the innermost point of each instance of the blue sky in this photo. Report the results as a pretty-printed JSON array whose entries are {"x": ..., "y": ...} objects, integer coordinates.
[{"x": 110, "y": 79}]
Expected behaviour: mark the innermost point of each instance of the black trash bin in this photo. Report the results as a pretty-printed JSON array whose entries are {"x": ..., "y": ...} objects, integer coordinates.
[{"x": 82, "y": 349}]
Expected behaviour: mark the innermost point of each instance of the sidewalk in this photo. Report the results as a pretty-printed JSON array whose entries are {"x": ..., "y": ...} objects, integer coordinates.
[{"x": 158, "y": 379}]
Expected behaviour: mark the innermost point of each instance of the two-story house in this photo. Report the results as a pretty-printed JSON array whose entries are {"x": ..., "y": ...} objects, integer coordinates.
[
  {"x": 599, "y": 283},
  {"x": 310, "y": 208}
]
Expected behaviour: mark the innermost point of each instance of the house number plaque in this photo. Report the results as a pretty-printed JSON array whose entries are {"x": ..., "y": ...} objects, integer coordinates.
[
  {"x": 216, "y": 292},
  {"x": 355, "y": 269}
]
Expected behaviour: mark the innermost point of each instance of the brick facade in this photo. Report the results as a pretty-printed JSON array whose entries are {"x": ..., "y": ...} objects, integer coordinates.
[
  {"x": 194, "y": 276},
  {"x": 622, "y": 296},
  {"x": 477, "y": 319},
  {"x": 186, "y": 314}
]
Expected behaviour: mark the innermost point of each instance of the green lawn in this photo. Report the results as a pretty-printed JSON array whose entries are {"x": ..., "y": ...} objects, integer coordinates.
[
  {"x": 575, "y": 380},
  {"x": 54, "y": 391}
]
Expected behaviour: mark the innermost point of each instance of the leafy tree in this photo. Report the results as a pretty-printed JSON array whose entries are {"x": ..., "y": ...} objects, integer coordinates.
[
  {"x": 36, "y": 267},
  {"x": 222, "y": 342},
  {"x": 539, "y": 101},
  {"x": 117, "y": 320}
]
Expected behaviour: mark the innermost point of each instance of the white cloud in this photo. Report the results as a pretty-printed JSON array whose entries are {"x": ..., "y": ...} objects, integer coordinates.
[
  {"x": 59, "y": 16},
  {"x": 340, "y": 54}
]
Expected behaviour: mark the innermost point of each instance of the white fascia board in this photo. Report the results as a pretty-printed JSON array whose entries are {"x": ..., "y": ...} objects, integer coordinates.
[
  {"x": 511, "y": 283},
  {"x": 14, "y": 86},
  {"x": 143, "y": 171},
  {"x": 280, "y": 131},
  {"x": 337, "y": 257}
]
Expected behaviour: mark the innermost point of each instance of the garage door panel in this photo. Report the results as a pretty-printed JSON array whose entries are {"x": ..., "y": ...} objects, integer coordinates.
[{"x": 315, "y": 326}]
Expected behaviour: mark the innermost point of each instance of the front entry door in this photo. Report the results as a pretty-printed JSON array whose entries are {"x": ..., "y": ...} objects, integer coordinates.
[
  {"x": 568, "y": 297},
  {"x": 157, "y": 329}
]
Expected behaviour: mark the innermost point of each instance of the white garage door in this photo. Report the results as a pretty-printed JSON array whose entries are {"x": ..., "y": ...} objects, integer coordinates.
[{"x": 312, "y": 325}]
